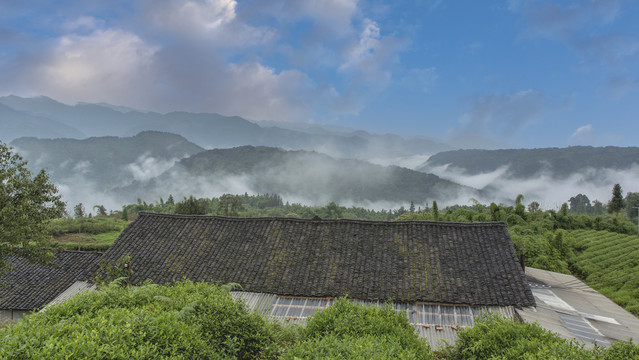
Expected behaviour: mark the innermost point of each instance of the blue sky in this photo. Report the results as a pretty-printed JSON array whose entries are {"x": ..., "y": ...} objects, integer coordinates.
[{"x": 519, "y": 73}]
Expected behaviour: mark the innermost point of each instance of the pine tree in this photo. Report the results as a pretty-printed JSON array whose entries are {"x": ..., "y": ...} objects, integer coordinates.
[
  {"x": 616, "y": 203},
  {"x": 435, "y": 211}
]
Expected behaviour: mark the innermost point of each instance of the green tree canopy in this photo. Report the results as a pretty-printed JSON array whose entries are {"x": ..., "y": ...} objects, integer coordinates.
[
  {"x": 190, "y": 206},
  {"x": 230, "y": 205},
  {"x": 26, "y": 203},
  {"x": 78, "y": 211},
  {"x": 616, "y": 203},
  {"x": 632, "y": 203}
]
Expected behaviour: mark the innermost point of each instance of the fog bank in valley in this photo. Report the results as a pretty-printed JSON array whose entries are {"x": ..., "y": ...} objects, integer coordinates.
[{"x": 549, "y": 191}]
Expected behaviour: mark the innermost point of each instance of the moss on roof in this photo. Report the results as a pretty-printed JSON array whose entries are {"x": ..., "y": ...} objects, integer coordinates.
[{"x": 405, "y": 261}]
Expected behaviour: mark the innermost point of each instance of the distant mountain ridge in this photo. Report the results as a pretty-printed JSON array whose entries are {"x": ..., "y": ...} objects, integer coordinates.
[
  {"x": 300, "y": 174},
  {"x": 154, "y": 164},
  {"x": 108, "y": 161},
  {"x": 205, "y": 129},
  {"x": 523, "y": 163}
]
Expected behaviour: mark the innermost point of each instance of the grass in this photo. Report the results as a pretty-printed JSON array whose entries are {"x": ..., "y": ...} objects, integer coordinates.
[
  {"x": 86, "y": 241},
  {"x": 88, "y": 234}
]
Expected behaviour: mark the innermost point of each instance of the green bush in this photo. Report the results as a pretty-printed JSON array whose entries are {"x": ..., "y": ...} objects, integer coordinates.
[
  {"x": 182, "y": 321},
  {"x": 351, "y": 331},
  {"x": 365, "y": 347},
  {"x": 494, "y": 337}
]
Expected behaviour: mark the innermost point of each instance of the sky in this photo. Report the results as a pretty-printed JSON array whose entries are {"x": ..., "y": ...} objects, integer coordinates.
[{"x": 475, "y": 74}]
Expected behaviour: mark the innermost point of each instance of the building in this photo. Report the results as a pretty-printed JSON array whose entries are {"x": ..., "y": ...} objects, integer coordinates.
[
  {"x": 28, "y": 286},
  {"x": 572, "y": 309},
  {"x": 441, "y": 275}
]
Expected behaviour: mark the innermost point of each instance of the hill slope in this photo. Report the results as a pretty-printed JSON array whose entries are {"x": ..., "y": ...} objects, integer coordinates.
[
  {"x": 524, "y": 163},
  {"x": 105, "y": 162},
  {"x": 299, "y": 176}
]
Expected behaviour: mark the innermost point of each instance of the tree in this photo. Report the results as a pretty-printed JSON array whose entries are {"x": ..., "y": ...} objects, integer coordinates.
[
  {"x": 125, "y": 214},
  {"x": 230, "y": 205},
  {"x": 100, "y": 210},
  {"x": 412, "y": 207},
  {"x": 78, "y": 211},
  {"x": 616, "y": 203},
  {"x": 632, "y": 203},
  {"x": 580, "y": 204},
  {"x": 520, "y": 209},
  {"x": 597, "y": 207},
  {"x": 533, "y": 207},
  {"x": 190, "y": 206},
  {"x": 27, "y": 202},
  {"x": 435, "y": 211}
]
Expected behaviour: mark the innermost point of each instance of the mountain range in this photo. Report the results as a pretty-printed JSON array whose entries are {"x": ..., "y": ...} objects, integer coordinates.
[
  {"x": 524, "y": 163},
  {"x": 155, "y": 164},
  {"x": 42, "y": 116},
  {"x": 109, "y": 154}
]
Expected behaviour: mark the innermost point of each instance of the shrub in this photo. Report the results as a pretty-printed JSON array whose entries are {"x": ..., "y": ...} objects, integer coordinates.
[
  {"x": 352, "y": 331},
  {"x": 185, "y": 320},
  {"x": 365, "y": 347},
  {"x": 493, "y": 337}
]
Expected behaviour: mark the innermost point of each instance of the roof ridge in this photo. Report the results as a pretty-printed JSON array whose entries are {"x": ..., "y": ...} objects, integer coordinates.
[{"x": 312, "y": 220}]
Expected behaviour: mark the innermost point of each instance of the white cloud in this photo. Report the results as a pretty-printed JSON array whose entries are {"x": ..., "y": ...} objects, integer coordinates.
[
  {"x": 147, "y": 167},
  {"x": 96, "y": 67},
  {"x": 362, "y": 54},
  {"x": 210, "y": 21},
  {"x": 584, "y": 135},
  {"x": 212, "y": 56}
]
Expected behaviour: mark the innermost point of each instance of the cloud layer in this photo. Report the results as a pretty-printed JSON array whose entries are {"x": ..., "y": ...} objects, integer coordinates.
[{"x": 212, "y": 56}]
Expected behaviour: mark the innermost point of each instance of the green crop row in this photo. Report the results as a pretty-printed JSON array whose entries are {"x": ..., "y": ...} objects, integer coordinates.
[{"x": 609, "y": 263}]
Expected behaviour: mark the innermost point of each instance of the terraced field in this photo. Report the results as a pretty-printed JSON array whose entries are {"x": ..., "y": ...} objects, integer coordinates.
[{"x": 609, "y": 263}]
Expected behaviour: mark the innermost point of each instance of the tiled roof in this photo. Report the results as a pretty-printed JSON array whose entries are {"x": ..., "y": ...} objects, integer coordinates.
[
  {"x": 30, "y": 286},
  {"x": 403, "y": 261}
]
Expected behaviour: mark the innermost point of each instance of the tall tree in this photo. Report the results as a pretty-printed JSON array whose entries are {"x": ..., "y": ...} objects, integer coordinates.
[
  {"x": 616, "y": 203},
  {"x": 632, "y": 203},
  {"x": 78, "y": 211},
  {"x": 435, "y": 211},
  {"x": 27, "y": 202},
  {"x": 100, "y": 210},
  {"x": 190, "y": 206},
  {"x": 580, "y": 204},
  {"x": 230, "y": 205}
]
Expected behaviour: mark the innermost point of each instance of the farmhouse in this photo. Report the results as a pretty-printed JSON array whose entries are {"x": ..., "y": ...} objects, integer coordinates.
[
  {"x": 441, "y": 275},
  {"x": 30, "y": 286}
]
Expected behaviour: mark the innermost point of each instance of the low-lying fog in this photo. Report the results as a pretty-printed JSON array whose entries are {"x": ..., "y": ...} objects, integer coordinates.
[{"x": 550, "y": 192}]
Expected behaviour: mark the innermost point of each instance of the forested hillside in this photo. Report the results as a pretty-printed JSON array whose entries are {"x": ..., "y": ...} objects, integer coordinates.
[
  {"x": 524, "y": 163},
  {"x": 308, "y": 177},
  {"x": 105, "y": 162}
]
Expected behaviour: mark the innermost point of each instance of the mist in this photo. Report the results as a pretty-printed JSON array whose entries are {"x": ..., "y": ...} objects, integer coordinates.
[{"x": 549, "y": 191}]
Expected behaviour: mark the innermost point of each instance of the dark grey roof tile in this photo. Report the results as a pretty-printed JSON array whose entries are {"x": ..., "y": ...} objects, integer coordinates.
[
  {"x": 29, "y": 286},
  {"x": 403, "y": 261}
]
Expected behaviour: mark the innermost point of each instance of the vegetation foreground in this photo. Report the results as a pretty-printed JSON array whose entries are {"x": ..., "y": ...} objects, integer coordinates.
[{"x": 202, "y": 321}]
